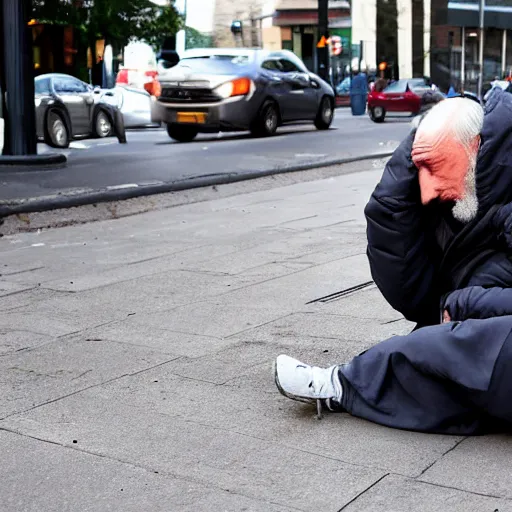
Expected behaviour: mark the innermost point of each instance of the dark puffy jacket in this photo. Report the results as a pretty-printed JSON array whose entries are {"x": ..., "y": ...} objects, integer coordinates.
[{"x": 418, "y": 254}]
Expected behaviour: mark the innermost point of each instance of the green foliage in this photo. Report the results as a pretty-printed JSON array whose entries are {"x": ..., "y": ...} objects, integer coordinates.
[
  {"x": 196, "y": 39},
  {"x": 116, "y": 21}
]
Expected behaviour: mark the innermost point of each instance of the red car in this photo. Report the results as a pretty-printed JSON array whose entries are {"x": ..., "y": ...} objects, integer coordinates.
[{"x": 401, "y": 96}]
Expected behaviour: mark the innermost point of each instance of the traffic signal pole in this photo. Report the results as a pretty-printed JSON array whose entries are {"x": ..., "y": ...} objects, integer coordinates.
[
  {"x": 323, "y": 35},
  {"x": 17, "y": 80},
  {"x": 17, "y": 86}
]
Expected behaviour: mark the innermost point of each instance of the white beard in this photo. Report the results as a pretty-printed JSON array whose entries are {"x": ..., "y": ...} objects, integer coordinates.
[{"x": 466, "y": 209}]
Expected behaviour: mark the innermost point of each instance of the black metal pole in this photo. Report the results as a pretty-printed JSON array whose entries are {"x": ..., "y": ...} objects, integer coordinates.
[
  {"x": 323, "y": 34},
  {"x": 17, "y": 79}
]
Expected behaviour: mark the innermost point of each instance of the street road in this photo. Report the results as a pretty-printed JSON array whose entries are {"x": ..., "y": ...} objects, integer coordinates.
[{"x": 151, "y": 157}]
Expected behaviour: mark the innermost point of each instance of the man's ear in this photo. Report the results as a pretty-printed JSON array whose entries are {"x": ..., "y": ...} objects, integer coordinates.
[{"x": 475, "y": 144}]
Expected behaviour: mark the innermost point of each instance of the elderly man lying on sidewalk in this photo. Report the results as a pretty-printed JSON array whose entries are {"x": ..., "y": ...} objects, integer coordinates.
[{"x": 440, "y": 251}]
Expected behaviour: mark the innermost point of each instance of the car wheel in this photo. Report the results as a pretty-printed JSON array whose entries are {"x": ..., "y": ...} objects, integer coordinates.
[
  {"x": 182, "y": 133},
  {"x": 102, "y": 125},
  {"x": 56, "y": 133},
  {"x": 325, "y": 114},
  {"x": 377, "y": 114},
  {"x": 267, "y": 121}
]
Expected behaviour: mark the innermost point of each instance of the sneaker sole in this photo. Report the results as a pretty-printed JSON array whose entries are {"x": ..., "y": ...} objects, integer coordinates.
[{"x": 285, "y": 393}]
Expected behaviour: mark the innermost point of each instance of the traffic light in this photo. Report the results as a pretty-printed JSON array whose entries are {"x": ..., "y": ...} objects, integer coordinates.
[{"x": 236, "y": 27}]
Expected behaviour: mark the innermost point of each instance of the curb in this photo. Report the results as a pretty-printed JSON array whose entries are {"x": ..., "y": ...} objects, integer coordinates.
[
  {"x": 30, "y": 163},
  {"x": 85, "y": 197}
]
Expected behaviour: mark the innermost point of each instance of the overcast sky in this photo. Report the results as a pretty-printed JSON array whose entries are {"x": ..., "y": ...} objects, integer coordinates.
[{"x": 199, "y": 15}]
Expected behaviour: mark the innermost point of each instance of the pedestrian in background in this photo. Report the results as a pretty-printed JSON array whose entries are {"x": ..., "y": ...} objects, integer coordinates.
[{"x": 358, "y": 89}]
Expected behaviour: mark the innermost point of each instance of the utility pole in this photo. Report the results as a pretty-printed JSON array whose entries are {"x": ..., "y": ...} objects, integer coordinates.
[
  {"x": 17, "y": 86},
  {"x": 481, "y": 48},
  {"x": 323, "y": 36},
  {"x": 17, "y": 83}
]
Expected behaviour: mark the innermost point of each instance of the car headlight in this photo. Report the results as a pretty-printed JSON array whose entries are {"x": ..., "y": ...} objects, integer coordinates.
[
  {"x": 37, "y": 101},
  {"x": 238, "y": 87}
]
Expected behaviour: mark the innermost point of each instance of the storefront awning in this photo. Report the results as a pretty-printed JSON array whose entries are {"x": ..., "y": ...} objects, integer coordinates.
[
  {"x": 498, "y": 13},
  {"x": 307, "y": 17}
]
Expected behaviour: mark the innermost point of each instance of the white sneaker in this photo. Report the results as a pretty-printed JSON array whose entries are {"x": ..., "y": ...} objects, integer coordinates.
[{"x": 308, "y": 384}]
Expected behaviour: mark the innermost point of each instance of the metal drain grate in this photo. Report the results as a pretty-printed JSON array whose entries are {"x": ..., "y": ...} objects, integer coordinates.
[{"x": 342, "y": 293}]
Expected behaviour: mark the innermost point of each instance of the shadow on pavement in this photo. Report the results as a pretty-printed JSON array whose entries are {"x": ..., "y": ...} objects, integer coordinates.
[{"x": 245, "y": 136}]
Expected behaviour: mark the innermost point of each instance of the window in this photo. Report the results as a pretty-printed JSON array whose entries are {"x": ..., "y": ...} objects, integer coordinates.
[
  {"x": 272, "y": 65},
  {"x": 69, "y": 85},
  {"x": 419, "y": 85},
  {"x": 396, "y": 87},
  {"x": 42, "y": 86},
  {"x": 288, "y": 66}
]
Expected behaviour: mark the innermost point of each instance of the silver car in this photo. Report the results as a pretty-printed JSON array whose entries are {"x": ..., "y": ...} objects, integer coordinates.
[
  {"x": 135, "y": 105},
  {"x": 215, "y": 90},
  {"x": 67, "y": 108}
]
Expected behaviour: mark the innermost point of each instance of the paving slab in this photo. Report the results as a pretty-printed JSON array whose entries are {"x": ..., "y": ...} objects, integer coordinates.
[
  {"x": 7, "y": 288},
  {"x": 213, "y": 318},
  {"x": 158, "y": 339},
  {"x": 292, "y": 248},
  {"x": 17, "y": 341},
  {"x": 486, "y": 463},
  {"x": 295, "y": 290},
  {"x": 61, "y": 367},
  {"x": 313, "y": 328},
  {"x": 397, "y": 494},
  {"x": 63, "y": 479},
  {"x": 257, "y": 468},
  {"x": 38, "y": 319}
]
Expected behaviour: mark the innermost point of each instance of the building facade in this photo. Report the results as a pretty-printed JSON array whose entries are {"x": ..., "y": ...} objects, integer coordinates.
[
  {"x": 402, "y": 38},
  {"x": 283, "y": 24},
  {"x": 456, "y": 42}
]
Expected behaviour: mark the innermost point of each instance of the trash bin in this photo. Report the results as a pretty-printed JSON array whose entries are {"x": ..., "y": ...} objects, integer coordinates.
[{"x": 358, "y": 94}]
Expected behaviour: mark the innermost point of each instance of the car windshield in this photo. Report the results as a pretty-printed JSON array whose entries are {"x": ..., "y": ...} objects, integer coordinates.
[
  {"x": 216, "y": 64},
  {"x": 399, "y": 86}
]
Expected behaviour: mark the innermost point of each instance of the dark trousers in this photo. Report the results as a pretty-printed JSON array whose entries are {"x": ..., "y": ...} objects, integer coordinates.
[{"x": 453, "y": 378}]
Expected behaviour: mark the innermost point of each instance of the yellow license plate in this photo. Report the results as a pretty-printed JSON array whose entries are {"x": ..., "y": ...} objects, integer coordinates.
[{"x": 191, "y": 117}]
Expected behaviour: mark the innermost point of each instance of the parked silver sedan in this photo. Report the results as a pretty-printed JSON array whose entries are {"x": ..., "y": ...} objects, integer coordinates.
[
  {"x": 217, "y": 90},
  {"x": 67, "y": 108}
]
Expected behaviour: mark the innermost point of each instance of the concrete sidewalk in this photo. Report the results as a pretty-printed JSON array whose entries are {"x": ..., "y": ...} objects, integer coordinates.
[{"x": 135, "y": 361}]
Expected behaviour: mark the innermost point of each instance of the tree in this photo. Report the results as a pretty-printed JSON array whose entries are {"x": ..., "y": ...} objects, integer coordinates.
[
  {"x": 116, "y": 21},
  {"x": 196, "y": 39}
]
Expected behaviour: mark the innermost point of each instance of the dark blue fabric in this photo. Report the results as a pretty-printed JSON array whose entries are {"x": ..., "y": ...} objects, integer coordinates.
[
  {"x": 478, "y": 302},
  {"x": 405, "y": 256},
  {"x": 438, "y": 379}
]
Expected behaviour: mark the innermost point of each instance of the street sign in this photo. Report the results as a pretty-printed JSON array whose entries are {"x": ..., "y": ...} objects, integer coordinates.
[{"x": 322, "y": 43}]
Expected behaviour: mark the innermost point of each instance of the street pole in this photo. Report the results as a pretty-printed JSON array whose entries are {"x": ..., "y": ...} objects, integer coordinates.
[
  {"x": 481, "y": 48},
  {"x": 17, "y": 86},
  {"x": 323, "y": 33},
  {"x": 17, "y": 82}
]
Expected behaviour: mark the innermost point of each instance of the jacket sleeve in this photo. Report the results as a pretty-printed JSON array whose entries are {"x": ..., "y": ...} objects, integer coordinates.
[
  {"x": 402, "y": 250},
  {"x": 480, "y": 303},
  {"x": 502, "y": 224}
]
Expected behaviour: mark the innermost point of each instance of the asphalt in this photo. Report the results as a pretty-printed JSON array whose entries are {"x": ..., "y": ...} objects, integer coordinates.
[
  {"x": 135, "y": 364},
  {"x": 151, "y": 163}
]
